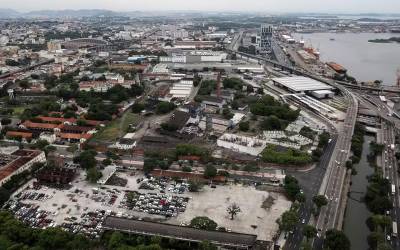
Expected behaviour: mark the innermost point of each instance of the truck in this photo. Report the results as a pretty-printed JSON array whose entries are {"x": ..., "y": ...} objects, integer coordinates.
[
  {"x": 394, "y": 229},
  {"x": 393, "y": 189},
  {"x": 392, "y": 147}
]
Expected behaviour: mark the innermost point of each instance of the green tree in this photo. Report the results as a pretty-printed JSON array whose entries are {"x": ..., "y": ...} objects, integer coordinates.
[
  {"x": 106, "y": 162},
  {"x": 244, "y": 126},
  {"x": 384, "y": 246},
  {"x": 93, "y": 174},
  {"x": 320, "y": 201},
  {"x": 86, "y": 159},
  {"x": 25, "y": 84},
  {"x": 195, "y": 186},
  {"x": 306, "y": 246},
  {"x": 336, "y": 240},
  {"x": 375, "y": 238},
  {"x": 5, "y": 121},
  {"x": 323, "y": 139},
  {"x": 41, "y": 144},
  {"x": 210, "y": 172},
  {"x": 137, "y": 108},
  {"x": 227, "y": 114},
  {"x": 309, "y": 232},
  {"x": 164, "y": 107},
  {"x": 271, "y": 123},
  {"x": 291, "y": 186},
  {"x": 233, "y": 210},
  {"x": 288, "y": 221},
  {"x": 116, "y": 240},
  {"x": 206, "y": 245},
  {"x": 204, "y": 223}
]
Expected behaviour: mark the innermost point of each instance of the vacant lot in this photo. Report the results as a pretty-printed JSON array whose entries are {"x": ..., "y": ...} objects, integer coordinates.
[
  {"x": 116, "y": 128},
  {"x": 252, "y": 220}
]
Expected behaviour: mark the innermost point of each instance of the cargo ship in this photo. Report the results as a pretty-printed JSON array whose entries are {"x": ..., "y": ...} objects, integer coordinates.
[
  {"x": 313, "y": 51},
  {"x": 337, "y": 67}
]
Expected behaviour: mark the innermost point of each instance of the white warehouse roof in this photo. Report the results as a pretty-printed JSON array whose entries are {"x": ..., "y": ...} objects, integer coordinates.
[{"x": 301, "y": 84}]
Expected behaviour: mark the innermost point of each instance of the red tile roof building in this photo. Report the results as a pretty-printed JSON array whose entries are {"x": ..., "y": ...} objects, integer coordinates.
[{"x": 18, "y": 162}]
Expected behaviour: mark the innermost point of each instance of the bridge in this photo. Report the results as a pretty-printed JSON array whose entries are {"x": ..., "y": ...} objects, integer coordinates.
[
  {"x": 6, "y": 75},
  {"x": 226, "y": 239}
]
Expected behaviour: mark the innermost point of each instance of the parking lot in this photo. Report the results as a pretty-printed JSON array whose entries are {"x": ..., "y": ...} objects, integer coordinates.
[{"x": 84, "y": 206}]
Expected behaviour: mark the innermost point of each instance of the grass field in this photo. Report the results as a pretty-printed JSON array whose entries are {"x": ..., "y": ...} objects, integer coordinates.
[
  {"x": 17, "y": 111},
  {"x": 116, "y": 128}
]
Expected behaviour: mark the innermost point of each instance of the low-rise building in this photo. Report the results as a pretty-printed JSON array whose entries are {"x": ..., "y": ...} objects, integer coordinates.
[{"x": 17, "y": 162}]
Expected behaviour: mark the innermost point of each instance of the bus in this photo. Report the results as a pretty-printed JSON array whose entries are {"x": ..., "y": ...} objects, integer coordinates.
[
  {"x": 394, "y": 229},
  {"x": 393, "y": 189}
]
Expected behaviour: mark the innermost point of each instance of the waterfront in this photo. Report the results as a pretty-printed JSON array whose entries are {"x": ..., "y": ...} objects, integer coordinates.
[
  {"x": 356, "y": 212},
  {"x": 364, "y": 60}
]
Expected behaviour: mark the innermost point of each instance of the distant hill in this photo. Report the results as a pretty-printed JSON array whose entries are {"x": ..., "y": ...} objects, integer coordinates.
[
  {"x": 9, "y": 13},
  {"x": 71, "y": 13}
]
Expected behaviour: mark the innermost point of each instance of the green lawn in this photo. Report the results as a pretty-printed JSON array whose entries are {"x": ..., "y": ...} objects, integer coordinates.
[
  {"x": 17, "y": 111},
  {"x": 116, "y": 128}
]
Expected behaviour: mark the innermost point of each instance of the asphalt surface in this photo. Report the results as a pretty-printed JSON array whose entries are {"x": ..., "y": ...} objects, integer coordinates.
[
  {"x": 335, "y": 174},
  {"x": 310, "y": 182}
]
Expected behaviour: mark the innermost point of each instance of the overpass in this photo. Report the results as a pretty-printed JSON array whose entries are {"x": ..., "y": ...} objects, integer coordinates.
[
  {"x": 6, "y": 75},
  {"x": 146, "y": 228}
]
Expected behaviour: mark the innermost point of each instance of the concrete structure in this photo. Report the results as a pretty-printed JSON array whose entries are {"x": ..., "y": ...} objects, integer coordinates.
[
  {"x": 125, "y": 144},
  {"x": 107, "y": 173},
  {"x": 300, "y": 84},
  {"x": 49, "y": 137},
  {"x": 182, "y": 89},
  {"x": 242, "y": 144},
  {"x": 320, "y": 94},
  {"x": 235, "y": 240},
  {"x": 194, "y": 57}
]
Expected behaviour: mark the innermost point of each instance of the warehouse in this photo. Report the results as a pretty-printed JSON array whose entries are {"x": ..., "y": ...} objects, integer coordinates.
[{"x": 300, "y": 84}]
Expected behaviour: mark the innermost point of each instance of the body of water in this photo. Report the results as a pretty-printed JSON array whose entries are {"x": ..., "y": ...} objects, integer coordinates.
[
  {"x": 364, "y": 60},
  {"x": 356, "y": 212}
]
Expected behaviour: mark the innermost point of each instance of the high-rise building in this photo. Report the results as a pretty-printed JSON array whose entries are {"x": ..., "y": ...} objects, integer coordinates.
[{"x": 265, "y": 37}]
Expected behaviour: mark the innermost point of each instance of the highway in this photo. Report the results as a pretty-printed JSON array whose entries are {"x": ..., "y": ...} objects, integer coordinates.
[
  {"x": 334, "y": 178},
  {"x": 310, "y": 182},
  {"x": 389, "y": 170},
  {"x": 332, "y": 186}
]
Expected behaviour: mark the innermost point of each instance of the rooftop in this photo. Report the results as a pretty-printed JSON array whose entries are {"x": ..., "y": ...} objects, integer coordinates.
[{"x": 300, "y": 83}]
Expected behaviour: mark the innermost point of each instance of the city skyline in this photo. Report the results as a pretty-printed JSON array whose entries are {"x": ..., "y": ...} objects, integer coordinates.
[{"x": 286, "y": 6}]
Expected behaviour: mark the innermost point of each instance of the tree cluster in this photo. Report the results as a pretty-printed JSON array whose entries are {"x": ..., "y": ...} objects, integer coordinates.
[
  {"x": 165, "y": 107},
  {"x": 377, "y": 197},
  {"x": 207, "y": 87},
  {"x": 278, "y": 115},
  {"x": 357, "y": 142},
  {"x": 292, "y": 188},
  {"x": 232, "y": 83},
  {"x": 285, "y": 157}
]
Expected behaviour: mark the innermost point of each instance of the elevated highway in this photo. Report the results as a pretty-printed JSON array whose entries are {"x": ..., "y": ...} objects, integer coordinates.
[{"x": 299, "y": 71}]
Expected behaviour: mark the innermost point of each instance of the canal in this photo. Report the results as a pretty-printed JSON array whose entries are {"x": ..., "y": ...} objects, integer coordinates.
[{"x": 356, "y": 212}]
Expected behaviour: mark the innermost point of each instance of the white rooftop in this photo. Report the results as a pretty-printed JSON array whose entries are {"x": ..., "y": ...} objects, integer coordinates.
[{"x": 301, "y": 83}]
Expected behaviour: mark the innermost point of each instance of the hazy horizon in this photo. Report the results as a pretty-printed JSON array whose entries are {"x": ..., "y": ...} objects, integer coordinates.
[{"x": 277, "y": 6}]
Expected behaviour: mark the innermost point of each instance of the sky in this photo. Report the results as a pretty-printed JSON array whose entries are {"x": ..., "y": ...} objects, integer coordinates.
[{"x": 326, "y": 6}]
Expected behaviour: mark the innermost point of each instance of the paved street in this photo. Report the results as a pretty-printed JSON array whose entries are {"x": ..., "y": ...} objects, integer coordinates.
[{"x": 310, "y": 182}]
